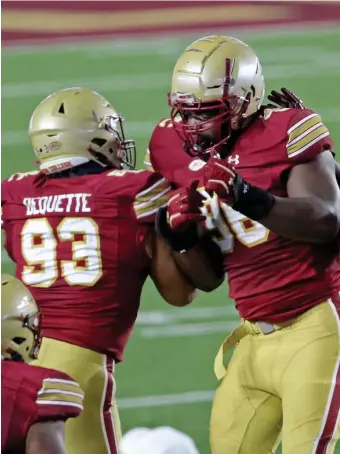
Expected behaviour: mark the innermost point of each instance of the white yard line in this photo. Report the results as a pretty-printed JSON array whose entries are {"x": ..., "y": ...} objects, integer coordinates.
[
  {"x": 328, "y": 65},
  {"x": 188, "y": 329},
  {"x": 166, "y": 317},
  {"x": 165, "y": 400},
  {"x": 114, "y": 83}
]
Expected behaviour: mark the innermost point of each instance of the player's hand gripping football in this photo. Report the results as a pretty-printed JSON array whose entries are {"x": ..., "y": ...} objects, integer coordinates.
[
  {"x": 184, "y": 207},
  {"x": 285, "y": 99}
]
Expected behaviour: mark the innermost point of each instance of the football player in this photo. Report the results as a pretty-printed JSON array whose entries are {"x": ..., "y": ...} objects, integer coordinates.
[
  {"x": 81, "y": 233},
  {"x": 277, "y": 228},
  {"x": 35, "y": 402}
]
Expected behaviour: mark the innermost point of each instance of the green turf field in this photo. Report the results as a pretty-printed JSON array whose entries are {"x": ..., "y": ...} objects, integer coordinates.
[{"x": 167, "y": 375}]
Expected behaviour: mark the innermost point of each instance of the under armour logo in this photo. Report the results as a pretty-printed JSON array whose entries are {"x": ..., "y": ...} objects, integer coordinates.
[{"x": 234, "y": 160}]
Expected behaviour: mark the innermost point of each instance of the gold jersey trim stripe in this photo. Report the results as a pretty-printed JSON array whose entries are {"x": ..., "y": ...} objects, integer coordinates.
[
  {"x": 57, "y": 396},
  {"x": 61, "y": 391},
  {"x": 62, "y": 403},
  {"x": 162, "y": 183},
  {"x": 154, "y": 210},
  {"x": 301, "y": 150},
  {"x": 60, "y": 380},
  {"x": 304, "y": 134},
  {"x": 292, "y": 128},
  {"x": 301, "y": 136},
  {"x": 151, "y": 199}
]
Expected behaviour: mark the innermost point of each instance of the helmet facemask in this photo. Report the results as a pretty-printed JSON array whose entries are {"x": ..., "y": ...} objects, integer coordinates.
[
  {"x": 25, "y": 345},
  {"x": 221, "y": 117},
  {"x": 117, "y": 152}
]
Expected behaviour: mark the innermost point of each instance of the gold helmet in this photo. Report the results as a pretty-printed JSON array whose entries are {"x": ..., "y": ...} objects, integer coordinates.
[
  {"x": 20, "y": 321},
  {"x": 77, "y": 125},
  {"x": 218, "y": 80}
]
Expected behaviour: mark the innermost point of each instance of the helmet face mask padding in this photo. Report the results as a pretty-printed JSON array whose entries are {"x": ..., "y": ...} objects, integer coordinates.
[
  {"x": 20, "y": 322},
  {"x": 76, "y": 125},
  {"x": 214, "y": 74}
]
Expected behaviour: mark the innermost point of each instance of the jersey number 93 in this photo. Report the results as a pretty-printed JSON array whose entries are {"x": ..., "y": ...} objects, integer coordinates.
[{"x": 39, "y": 251}]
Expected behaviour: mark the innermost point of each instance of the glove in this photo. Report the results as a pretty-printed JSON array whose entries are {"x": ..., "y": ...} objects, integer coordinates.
[
  {"x": 286, "y": 99},
  {"x": 222, "y": 179},
  {"x": 178, "y": 222},
  {"x": 184, "y": 207}
]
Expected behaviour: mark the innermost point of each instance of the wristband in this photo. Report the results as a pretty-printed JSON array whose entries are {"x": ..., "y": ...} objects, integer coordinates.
[
  {"x": 179, "y": 241},
  {"x": 253, "y": 202}
]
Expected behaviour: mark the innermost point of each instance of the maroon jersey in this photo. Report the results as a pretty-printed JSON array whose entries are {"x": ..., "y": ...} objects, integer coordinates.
[
  {"x": 166, "y": 155},
  {"x": 78, "y": 244},
  {"x": 270, "y": 277},
  {"x": 30, "y": 395}
]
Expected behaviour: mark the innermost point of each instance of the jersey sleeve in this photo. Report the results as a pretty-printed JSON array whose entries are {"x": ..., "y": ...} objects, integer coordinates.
[
  {"x": 307, "y": 136},
  {"x": 59, "y": 398},
  {"x": 151, "y": 196}
]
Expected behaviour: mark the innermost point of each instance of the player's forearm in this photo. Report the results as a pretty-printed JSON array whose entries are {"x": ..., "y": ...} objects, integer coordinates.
[
  {"x": 196, "y": 255},
  {"x": 46, "y": 438},
  {"x": 304, "y": 219},
  {"x": 202, "y": 265}
]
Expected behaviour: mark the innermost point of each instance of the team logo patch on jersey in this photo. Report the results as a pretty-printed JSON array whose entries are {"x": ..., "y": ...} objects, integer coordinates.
[{"x": 196, "y": 164}]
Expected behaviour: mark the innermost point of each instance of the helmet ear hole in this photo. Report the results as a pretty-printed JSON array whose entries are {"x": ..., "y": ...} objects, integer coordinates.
[
  {"x": 98, "y": 141},
  {"x": 61, "y": 109},
  {"x": 19, "y": 340}
]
